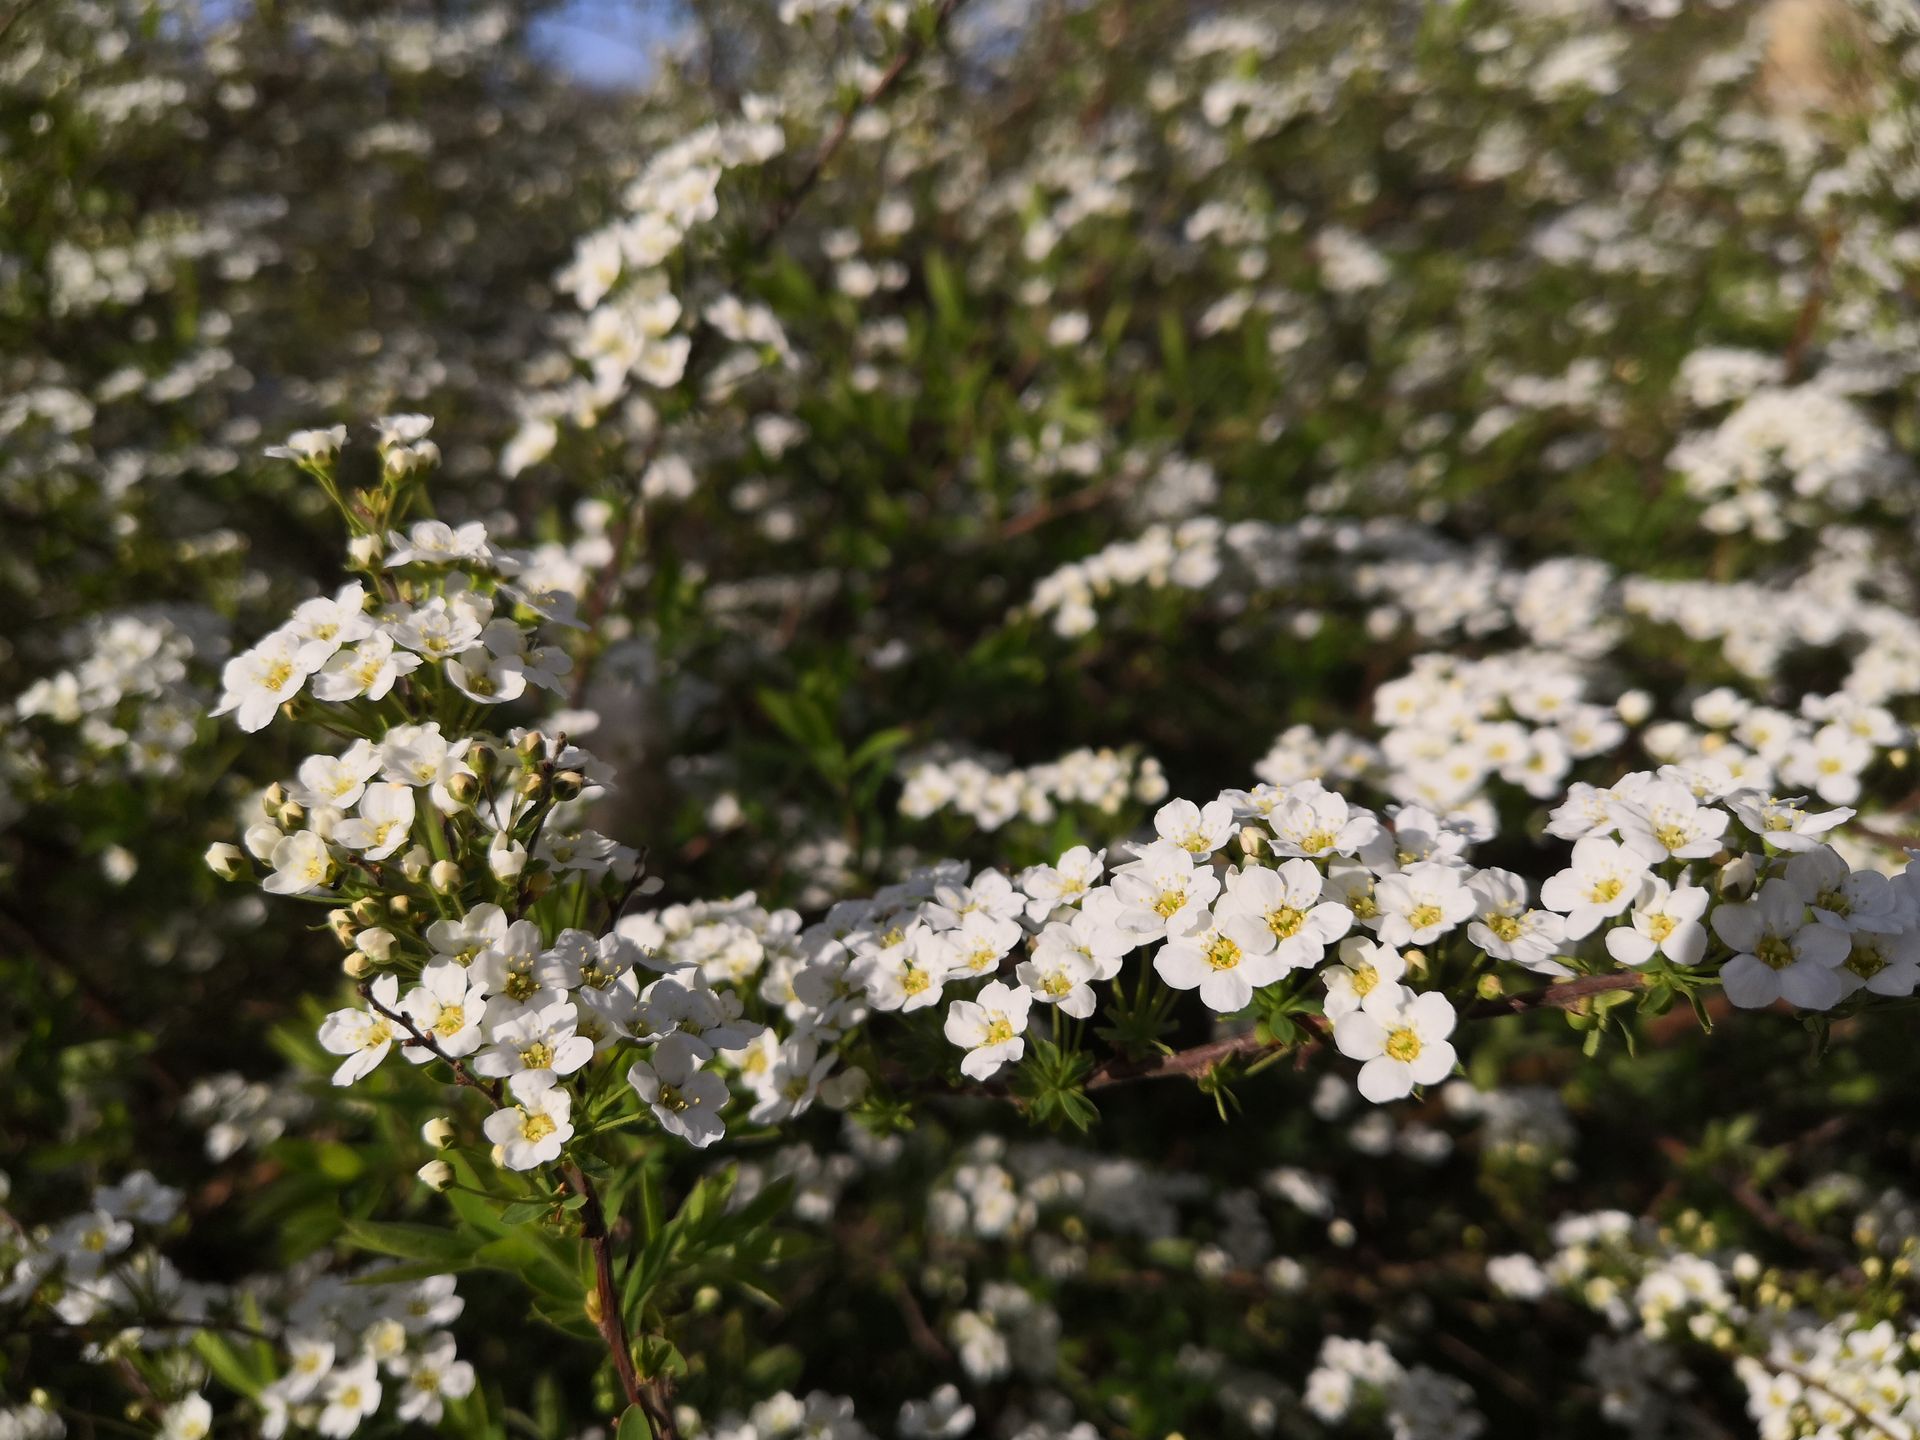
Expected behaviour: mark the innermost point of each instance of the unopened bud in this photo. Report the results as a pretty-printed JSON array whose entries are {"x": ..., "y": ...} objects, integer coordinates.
[
  {"x": 1634, "y": 707},
  {"x": 414, "y": 863},
  {"x": 531, "y": 745},
  {"x": 357, "y": 965},
  {"x": 532, "y": 785},
  {"x": 1490, "y": 987},
  {"x": 444, "y": 877},
  {"x": 260, "y": 840},
  {"x": 506, "y": 858},
  {"x": 343, "y": 925},
  {"x": 1252, "y": 841},
  {"x": 368, "y": 911},
  {"x": 291, "y": 814},
  {"x": 568, "y": 784},
  {"x": 438, "y": 1132},
  {"x": 274, "y": 797},
  {"x": 376, "y": 944},
  {"x": 838, "y": 1092},
  {"x": 1738, "y": 877},
  {"x": 400, "y": 906},
  {"x": 435, "y": 1174},
  {"x": 364, "y": 551},
  {"x": 227, "y": 861},
  {"x": 463, "y": 789},
  {"x": 481, "y": 759}
]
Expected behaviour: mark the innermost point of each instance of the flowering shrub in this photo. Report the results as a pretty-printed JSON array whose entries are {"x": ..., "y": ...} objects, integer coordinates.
[{"x": 1044, "y": 721}]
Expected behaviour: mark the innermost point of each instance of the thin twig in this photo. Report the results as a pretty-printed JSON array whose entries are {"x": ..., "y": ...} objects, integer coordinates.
[
  {"x": 651, "y": 1394},
  {"x": 461, "y": 1074}
]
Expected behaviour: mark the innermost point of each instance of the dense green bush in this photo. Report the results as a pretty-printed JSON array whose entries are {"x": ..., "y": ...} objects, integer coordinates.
[{"x": 1089, "y": 718}]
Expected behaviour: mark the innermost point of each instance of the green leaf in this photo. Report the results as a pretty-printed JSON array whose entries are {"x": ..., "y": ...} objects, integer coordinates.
[
  {"x": 633, "y": 1425},
  {"x": 428, "y": 1243}
]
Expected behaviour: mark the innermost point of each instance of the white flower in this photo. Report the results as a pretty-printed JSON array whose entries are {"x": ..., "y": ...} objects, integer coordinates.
[
  {"x": 1507, "y": 930},
  {"x": 384, "y": 822},
  {"x": 1782, "y": 823},
  {"x": 310, "y": 446},
  {"x": 532, "y": 1131},
  {"x": 990, "y": 1028},
  {"x": 908, "y": 972},
  {"x": 1198, "y": 832},
  {"x": 943, "y": 1415},
  {"x": 352, "y": 1394},
  {"x": 363, "y": 1036},
  {"x": 322, "y": 625},
  {"x": 1313, "y": 821},
  {"x": 1850, "y": 899},
  {"x": 259, "y": 681},
  {"x": 1782, "y": 954},
  {"x": 1664, "y": 920},
  {"x": 1662, "y": 819},
  {"x": 1058, "y": 975},
  {"x": 1063, "y": 882},
  {"x": 301, "y": 864},
  {"x": 370, "y": 669},
  {"x": 1603, "y": 880},
  {"x": 686, "y": 1100},
  {"x": 489, "y": 679},
  {"x": 432, "y": 1375},
  {"x": 1403, "y": 1039},
  {"x": 188, "y": 1419},
  {"x": 1365, "y": 967},
  {"x": 446, "y": 1006},
  {"x": 1155, "y": 888},
  {"x": 1421, "y": 903},
  {"x": 337, "y": 781},
  {"x": 1883, "y": 964},
  {"x": 1226, "y": 959},
  {"x": 1287, "y": 901},
  {"x": 542, "y": 1037}
]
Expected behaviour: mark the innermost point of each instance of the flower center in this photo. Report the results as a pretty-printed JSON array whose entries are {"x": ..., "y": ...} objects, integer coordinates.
[
  {"x": 1403, "y": 1045},
  {"x": 1775, "y": 952},
  {"x": 278, "y": 674},
  {"x": 1671, "y": 836},
  {"x": 536, "y": 1127},
  {"x": 1314, "y": 841},
  {"x": 671, "y": 1098},
  {"x": 1866, "y": 961},
  {"x": 1285, "y": 921},
  {"x": 1659, "y": 927},
  {"x": 1425, "y": 917},
  {"x": 1834, "y": 900},
  {"x": 1506, "y": 927},
  {"x": 1222, "y": 953},
  {"x": 451, "y": 1020},
  {"x": 1605, "y": 892},
  {"x": 999, "y": 1031},
  {"x": 537, "y": 1056},
  {"x": 1365, "y": 977},
  {"x": 1169, "y": 901}
]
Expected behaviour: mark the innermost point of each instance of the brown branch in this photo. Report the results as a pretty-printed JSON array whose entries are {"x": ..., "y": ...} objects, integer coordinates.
[
  {"x": 651, "y": 1394},
  {"x": 1200, "y": 1059}
]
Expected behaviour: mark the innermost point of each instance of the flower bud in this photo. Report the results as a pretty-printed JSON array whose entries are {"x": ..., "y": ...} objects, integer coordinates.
[
  {"x": 568, "y": 784},
  {"x": 400, "y": 906},
  {"x": 367, "y": 911},
  {"x": 463, "y": 789},
  {"x": 532, "y": 785},
  {"x": 1490, "y": 987},
  {"x": 444, "y": 877},
  {"x": 364, "y": 551},
  {"x": 1738, "y": 877},
  {"x": 481, "y": 759},
  {"x": 435, "y": 1174},
  {"x": 414, "y": 863},
  {"x": 506, "y": 858},
  {"x": 438, "y": 1132},
  {"x": 273, "y": 798},
  {"x": 291, "y": 814},
  {"x": 376, "y": 944},
  {"x": 1252, "y": 841},
  {"x": 357, "y": 965},
  {"x": 839, "y": 1092},
  {"x": 531, "y": 745},
  {"x": 343, "y": 925},
  {"x": 227, "y": 861},
  {"x": 1634, "y": 707},
  {"x": 260, "y": 840}
]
